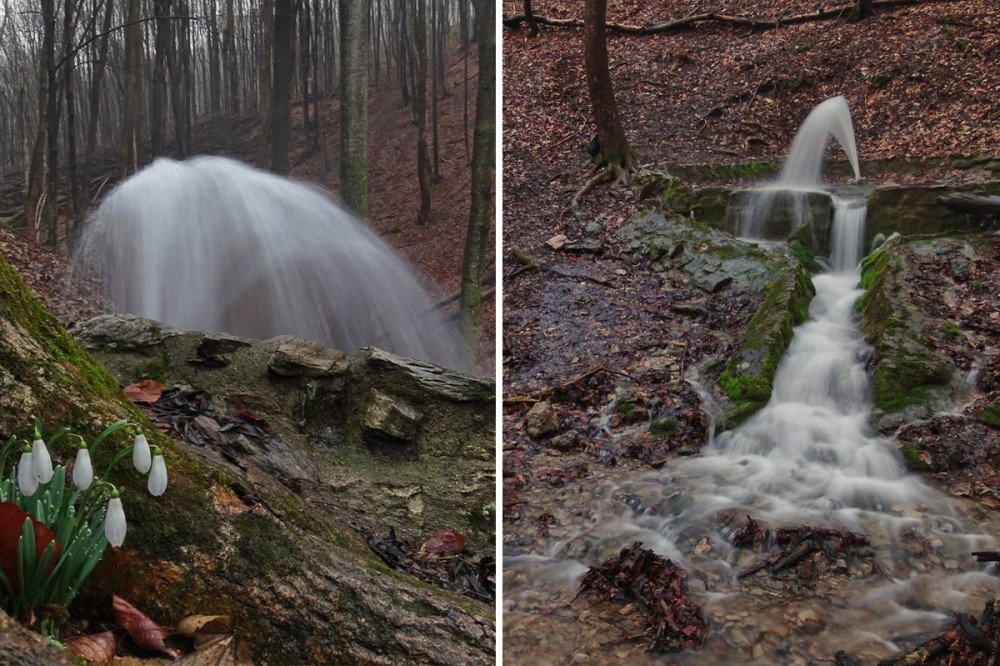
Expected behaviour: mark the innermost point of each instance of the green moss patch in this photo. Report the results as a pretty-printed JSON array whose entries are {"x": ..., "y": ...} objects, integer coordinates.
[
  {"x": 911, "y": 456},
  {"x": 748, "y": 378},
  {"x": 901, "y": 381}
]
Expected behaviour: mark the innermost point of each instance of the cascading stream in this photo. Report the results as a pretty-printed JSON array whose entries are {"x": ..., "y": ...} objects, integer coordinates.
[{"x": 809, "y": 457}]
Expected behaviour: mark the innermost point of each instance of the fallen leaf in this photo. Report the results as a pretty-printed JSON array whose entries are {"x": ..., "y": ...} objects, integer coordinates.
[
  {"x": 144, "y": 631},
  {"x": 11, "y": 527},
  {"x": 146, "y": 391},
  {"x": 221, "y": 651},
  {"x": 98, "y": 648},
  {"x": 204, "y": 624},
  {"x": 444, "y": 542}
]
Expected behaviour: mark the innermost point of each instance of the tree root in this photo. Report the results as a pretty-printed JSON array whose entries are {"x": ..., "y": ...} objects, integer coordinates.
[{"x": 618, "y": 173}]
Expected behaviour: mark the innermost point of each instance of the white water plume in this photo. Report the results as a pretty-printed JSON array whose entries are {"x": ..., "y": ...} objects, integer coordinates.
[
  {"x": 799, "y": 179},
  {"x": 805, "y": 158},
  {"x": 213, "y": 244}
]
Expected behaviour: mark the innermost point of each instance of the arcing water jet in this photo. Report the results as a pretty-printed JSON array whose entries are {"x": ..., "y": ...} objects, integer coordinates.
[{"x": 213, "y": 244}]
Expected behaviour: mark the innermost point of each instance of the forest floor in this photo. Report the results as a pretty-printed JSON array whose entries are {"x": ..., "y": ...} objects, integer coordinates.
[
  {"x": 587, "y": 330},
  {"x": 436, "y": 250}
]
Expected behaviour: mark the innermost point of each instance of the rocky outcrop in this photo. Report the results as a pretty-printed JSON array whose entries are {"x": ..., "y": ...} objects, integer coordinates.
[
  {"x": 233, "y": 534},
  {"x": 713, "y": 260},
  {"x": 377, "y": 433}
]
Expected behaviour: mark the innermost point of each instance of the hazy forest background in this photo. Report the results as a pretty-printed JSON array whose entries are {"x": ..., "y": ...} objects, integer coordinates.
[{"x": 93, "y": 90}]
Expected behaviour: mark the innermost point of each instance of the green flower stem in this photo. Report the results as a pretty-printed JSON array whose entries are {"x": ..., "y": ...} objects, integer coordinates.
[
  {"x": 114, "y": 427},
  {"x": 114, "y": 461}
]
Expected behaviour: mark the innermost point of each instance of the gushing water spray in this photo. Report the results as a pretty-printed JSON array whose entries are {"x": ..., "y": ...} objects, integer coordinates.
[
  {"x": 213, "y": 244},
  {"x": 800, "y": 174}
]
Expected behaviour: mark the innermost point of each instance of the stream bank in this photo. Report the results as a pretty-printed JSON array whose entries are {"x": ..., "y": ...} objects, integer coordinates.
[{"x": 557, "y": 484}]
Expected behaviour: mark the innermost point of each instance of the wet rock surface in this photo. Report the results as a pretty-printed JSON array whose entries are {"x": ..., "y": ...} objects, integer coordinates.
[
  {"x": 629, "y": 413},
  {"x": 381, "y": 434}
]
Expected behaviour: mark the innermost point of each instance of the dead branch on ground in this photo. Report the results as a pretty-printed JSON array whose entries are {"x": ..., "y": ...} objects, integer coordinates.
[{"x": 693, "y": 20}]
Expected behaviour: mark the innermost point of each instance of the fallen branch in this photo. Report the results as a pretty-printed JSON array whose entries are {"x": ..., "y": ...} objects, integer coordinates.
[
  {"x": 693, "y": 20},
  {"x": 541, "y": 394},
  {"x": 972, "y": 204}
]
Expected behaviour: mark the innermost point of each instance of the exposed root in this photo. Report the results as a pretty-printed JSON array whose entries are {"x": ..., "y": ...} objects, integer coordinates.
[{"x": 617, "y": 173}]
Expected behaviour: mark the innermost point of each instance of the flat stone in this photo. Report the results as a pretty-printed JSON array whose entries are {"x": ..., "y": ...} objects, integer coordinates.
[
  {"x": 541, "y": 420},
  {"x": 297, "y": 357},
  {"x": 215, "y": 349},
  {"x": 591, "y": 245},
  {"x": 557, "y": 242},
  {"x": 389, "y": 419},
  {"x": 121, "y": 332},
  {"x": 566, "y": 441},
  {"x": 689, "y": 308},
  {"x": 712, "y": 282}
]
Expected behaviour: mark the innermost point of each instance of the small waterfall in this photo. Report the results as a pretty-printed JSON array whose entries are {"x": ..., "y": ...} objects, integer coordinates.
[
  {"x": 848, "y": 234},
  {"x": 213, "y": 244},
  {"x": 808, "y": 457},
  {"x": 799, "y": 179}
]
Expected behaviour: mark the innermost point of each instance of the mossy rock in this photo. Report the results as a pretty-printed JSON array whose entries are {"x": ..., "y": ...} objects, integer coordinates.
[
  {"x": 295, "y": 579},
  {"x": 748, "y": 378},
  {"x": 991, "y": 415},
  {"x": 901, "y": 380}
]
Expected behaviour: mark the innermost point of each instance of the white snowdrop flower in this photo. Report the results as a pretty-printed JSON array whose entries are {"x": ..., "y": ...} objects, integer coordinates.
[
  {"x": 26, "y": 479},
  {"x": 83, "y": 471},
  {"x": 158, "y": 476},
  {"x": 41, "y": 461},
  {"x": 114, "y": 521},
  {"x": 140, "y": 453}
]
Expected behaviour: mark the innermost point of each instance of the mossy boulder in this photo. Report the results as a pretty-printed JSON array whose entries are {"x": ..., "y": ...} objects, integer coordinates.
[
  {"x": 300, "y": 584},
  {"x": 911, "y": 377},
  {"x": 748, "y": 378}
]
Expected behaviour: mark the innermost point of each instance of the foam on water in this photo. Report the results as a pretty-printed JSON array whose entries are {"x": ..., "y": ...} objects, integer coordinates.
[{"x": 213, "y": 244}]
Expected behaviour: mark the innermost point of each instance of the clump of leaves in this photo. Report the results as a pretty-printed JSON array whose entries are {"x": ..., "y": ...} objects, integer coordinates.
[{"x": 658, "y": 586}]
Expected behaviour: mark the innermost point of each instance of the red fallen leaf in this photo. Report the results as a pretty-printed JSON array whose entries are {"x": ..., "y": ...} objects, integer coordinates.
[
  {"x": 146, "y": 391},
  {"x": 444, "y": 542},
  {"x": 97, "y": 648},
  {"x": 11, "y": 528},
  {"x": 144, "y": 631}
]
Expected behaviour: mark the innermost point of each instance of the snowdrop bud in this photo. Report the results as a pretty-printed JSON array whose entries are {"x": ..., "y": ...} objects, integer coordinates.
[
  {"x": 83, "y": 471},
  {"x": 41, "y": 461},
  {"x": 114, "y": 521},
  {"x": 140, "y": 453},
  {"x": 26, "y": 479},
  {"x": 158, "y": 476}
]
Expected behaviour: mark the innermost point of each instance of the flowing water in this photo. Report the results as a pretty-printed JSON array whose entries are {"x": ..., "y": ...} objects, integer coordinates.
[
  {"x": 809, "y": 457},
  {"x": 213, "y": 244}
]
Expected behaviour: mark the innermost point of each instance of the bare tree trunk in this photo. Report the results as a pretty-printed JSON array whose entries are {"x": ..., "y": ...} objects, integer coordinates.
[
  {"x": 39, "y": 205},
  {"x": 229, "y": 61},
  {"x": 616, "y": 152},
  {"x": 480, "y": 213},
  {"x": 186, "y": 87},
  {"x": 420, "y": 108},
  {"x": 436, "y": 83},
  {"x": 283, "y": 70},
  {"x": 214, "y": 74},
  {"x": 158, "y": 98},
  {"x": 265, "y": 62},
  {"x": 355, "y": 24},
  {"x": 95, "y": 100},
  {"x": 529, "y": 16},
  {"x": 68, "y": 59},
  {"x": 130, "y": 109}
]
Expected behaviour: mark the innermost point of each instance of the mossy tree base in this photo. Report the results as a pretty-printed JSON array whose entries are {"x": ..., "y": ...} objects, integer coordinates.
[{"x": 300, "y": 586}]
